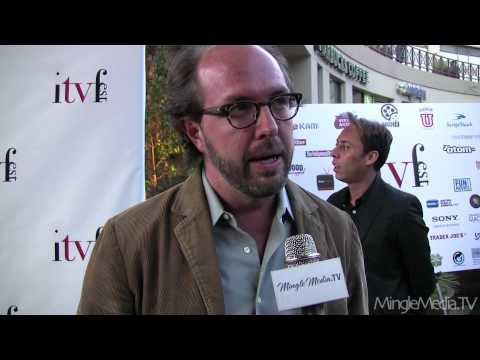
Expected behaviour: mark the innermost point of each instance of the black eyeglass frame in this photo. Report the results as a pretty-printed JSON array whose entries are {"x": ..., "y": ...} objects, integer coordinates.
[{"x": 224, "y": 110}]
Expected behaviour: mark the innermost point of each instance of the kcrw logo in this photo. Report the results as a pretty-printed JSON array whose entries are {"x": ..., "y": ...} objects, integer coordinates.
[{"x": 72, "y": 91}]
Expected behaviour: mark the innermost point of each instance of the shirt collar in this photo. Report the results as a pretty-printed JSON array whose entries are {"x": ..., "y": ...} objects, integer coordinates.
[
  {"x": 217, "y": 210},
  {"x": 361, "y": 199}
]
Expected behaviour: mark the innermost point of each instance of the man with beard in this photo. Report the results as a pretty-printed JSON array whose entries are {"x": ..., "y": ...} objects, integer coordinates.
[{"x": 208, "y": 245}]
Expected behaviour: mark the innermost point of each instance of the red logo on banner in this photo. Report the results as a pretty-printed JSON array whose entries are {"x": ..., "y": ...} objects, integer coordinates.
[
  {"x": 341, "y": 122},
  {"x": 427, "y": 119},
  {"x": 420, "y": 174}
]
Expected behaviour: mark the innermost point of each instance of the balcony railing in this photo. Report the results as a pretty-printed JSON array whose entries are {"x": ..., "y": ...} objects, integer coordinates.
[{"x": 427, "y": 61}]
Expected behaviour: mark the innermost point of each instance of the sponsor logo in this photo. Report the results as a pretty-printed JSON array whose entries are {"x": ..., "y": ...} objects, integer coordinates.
[
  {"x": 476, "y": 256},
  {"x": 12, "y": 309},
  {"x": 447, "y": 236},
  {"x": 451, "y": 149},
  {"x": 434, "y": 203},
  {"x": 475, "y": 201},
  {"x": 477, "y": 236},
  {"x": 317, "y": 153},
  {"x": 413, "y": 90},
  {"x": 71, "y": 250},
  {"x": 427, "y": 119},
  {"x": 459, "y": 120},
  {"x": 420, "y": 174},
  {"x": 462, "y": 184},
  {"x": 341, "y": 122},
  {"x": 300, "y": 142},
  {"x": 475, "y": 218},
  {"x": 296, "y": 169},
  {"x": 390, "y": 113},
  {"x": 447, "y": 202},
  {"x": 436, "y": 260},
  {"x": 443, "y": 218},
  {"x": 458, "y": 258},
  {"x": 10, "y": 173},
  {"x": 466, "y": 137},
  {"x": 306, "y": 126},
  {"x": 325, "y": 182},
  {"x": 445, "y": 221},
  {"x": 72, "y": 89}
]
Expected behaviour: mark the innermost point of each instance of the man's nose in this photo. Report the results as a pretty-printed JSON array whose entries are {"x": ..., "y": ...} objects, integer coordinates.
[
  {"x": 333, "y": 152},
  {"x": 266, "y": 123}
]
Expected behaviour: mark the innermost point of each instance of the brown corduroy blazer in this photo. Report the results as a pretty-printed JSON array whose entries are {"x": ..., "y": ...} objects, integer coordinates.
[{"x": 159, "y": 257}]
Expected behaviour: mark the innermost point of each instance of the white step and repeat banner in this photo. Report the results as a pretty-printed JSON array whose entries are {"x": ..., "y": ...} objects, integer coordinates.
[
  {"x": 71, "y": 156},
  {"x": 435, "y": 155}
]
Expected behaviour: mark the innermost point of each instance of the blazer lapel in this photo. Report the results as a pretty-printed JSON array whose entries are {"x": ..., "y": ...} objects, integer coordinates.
[
  {"x": 194, "y": 234},
  {"x": 373, "y": 205}
]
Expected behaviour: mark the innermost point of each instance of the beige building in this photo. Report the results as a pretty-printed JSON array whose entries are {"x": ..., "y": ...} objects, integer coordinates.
[{"x": 385, "y": 73}]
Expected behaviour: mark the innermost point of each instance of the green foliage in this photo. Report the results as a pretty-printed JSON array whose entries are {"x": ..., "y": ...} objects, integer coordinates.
[{"x": 166, "y": 163}]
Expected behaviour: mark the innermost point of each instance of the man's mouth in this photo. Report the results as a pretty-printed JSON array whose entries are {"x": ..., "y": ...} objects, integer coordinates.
[{"x": 266, "y": 159}]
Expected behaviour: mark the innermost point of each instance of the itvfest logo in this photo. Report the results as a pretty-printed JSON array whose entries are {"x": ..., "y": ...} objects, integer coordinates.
[
  {"x": 71, "y": 250},
  {"x": 69, "y": 90},
  {"x": 10, "y": 173},
  {"x": 420, "y": 173}
]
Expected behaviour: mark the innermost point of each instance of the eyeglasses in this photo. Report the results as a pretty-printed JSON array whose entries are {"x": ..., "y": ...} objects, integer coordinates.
[{"x": 243, "y": 114}]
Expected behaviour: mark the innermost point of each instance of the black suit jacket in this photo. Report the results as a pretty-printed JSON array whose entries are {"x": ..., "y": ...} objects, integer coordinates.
[{"x": 395, "y": 245}]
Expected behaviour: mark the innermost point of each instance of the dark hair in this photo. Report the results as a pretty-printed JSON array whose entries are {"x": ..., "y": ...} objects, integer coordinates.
[
  {"x": 374, "y": 136},
  {"x": 183, "y": 93}
]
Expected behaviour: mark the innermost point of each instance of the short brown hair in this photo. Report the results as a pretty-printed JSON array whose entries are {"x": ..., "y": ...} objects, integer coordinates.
[{"x": 374, "y": 136}]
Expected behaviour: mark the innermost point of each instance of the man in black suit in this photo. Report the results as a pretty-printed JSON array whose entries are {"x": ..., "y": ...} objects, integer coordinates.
[{"x": 390, "y": 221}]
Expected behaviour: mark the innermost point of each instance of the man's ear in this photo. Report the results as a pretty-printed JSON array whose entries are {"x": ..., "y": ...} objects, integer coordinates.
[
  {"x": 194, "y": 132},
  {"x": 372, "y": 156}
]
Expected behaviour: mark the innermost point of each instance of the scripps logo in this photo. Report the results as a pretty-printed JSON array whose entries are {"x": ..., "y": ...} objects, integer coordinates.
[
  {"x": 390, "y": 113},
  {"x": 70, "y": 88},
  {"x": 452, "y": 149},
  {"x": 10, "y": 173},
  {"x": 458, "y": 120}
]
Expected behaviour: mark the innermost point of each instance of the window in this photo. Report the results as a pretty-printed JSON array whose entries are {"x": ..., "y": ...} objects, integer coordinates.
[
  {"x": 363, "y": 97},
  {"x": 335, "y": 91}
]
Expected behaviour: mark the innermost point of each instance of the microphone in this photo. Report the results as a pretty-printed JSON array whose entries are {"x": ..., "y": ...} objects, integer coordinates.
[{"x": 300, "y": 249}]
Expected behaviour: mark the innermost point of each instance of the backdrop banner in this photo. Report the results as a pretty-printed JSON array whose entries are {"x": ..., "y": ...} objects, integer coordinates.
[
  {"x": 71, "y": 156},
  {"x": 434, "y": 155}
]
